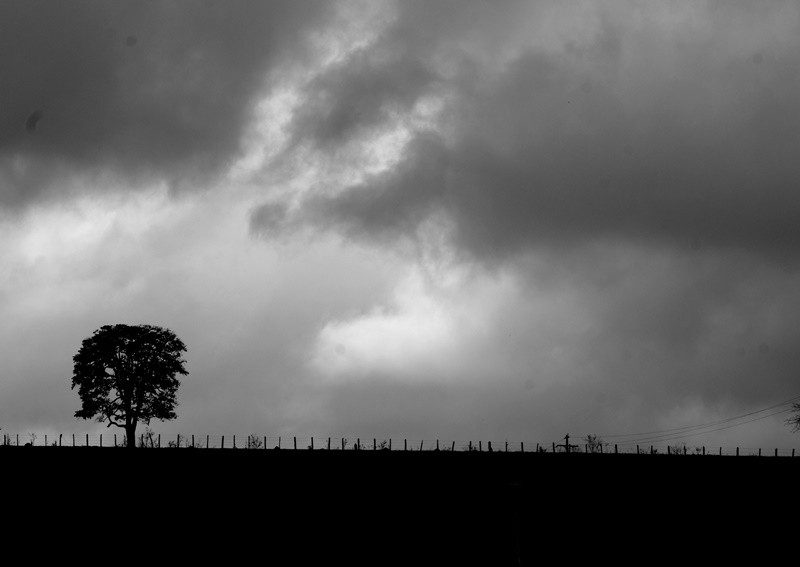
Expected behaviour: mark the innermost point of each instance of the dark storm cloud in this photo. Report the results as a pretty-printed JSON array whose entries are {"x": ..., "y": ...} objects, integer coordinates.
[
  {"x": 139, "y": 89},
  {"x": 643, "y": 131},
  {"x": 386, "y": 78},
  {"x": 360, "y": 94}
]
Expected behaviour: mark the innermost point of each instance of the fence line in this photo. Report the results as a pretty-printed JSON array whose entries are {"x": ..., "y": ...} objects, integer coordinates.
[{"x": 150, "y": 439}]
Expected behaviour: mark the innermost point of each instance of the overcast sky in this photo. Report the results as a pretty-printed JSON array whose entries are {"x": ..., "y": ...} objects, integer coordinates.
[{"x": 443, "y": 218}]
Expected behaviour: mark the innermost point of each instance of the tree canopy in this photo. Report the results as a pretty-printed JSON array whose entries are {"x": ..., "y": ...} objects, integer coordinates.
[
  {"x": 126, "y": 374},
  {"x": 794, "y": 420}
]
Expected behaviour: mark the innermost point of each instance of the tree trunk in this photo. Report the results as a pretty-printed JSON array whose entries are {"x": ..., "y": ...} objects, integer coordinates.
[{"x": 130, "y": 432}]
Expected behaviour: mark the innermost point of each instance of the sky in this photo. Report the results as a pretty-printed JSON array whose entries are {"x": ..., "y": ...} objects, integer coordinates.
[{"x": 446, "y": 219}]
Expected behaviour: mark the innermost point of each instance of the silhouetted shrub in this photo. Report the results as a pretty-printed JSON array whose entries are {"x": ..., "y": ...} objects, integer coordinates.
[
  {"x": 255, "y": 442},
  {"x": 149, "y": 439}
]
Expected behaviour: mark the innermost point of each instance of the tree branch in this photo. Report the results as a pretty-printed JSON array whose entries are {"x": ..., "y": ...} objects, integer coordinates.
[{"x": 112, "y": 421}]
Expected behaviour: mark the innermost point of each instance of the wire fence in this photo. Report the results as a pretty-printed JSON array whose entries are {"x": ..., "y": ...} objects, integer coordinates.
[{"x": 153, "y": 440}]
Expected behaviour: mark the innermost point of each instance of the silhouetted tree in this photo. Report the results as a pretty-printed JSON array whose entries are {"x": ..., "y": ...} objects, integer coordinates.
[
  {"x": 594, "y": 444},
  {"x": 125, "y": 374},
  {"x": 794, "y": 421}
]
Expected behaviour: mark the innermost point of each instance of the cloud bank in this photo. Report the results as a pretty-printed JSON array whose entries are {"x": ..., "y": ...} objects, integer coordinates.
[
  {"x": 630, "y": 168},
  {"x": 657, "y": 124},
  {"x": 450, "y": 218}
]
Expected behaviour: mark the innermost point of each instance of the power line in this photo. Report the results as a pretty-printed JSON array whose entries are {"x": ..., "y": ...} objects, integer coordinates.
[
  {"x": 686, "y": 428},
  {"x": 670, "y": 437}
]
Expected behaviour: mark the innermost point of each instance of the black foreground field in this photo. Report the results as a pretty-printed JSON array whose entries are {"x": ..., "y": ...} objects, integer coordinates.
[{"x": 378, "y": 507}]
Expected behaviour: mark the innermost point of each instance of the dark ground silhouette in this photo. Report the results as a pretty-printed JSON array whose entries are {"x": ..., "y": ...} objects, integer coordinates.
[{"x": 380, "y": 507}]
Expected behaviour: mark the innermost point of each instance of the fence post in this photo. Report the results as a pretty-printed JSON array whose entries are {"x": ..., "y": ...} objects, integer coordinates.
[
  {"x": 470, "y": 446},
  {"x": 17, "y": 439},
  {"x": 265, "y": 441},
  {"x": 312, "y": 443},
  {"x": 342, "y": 443},
  {"x": 192, "y": 441},
  {"x": 73, "y": 439},
  {"x": 59, "y": 440},
  {"x": 234, "y": 441},
  {"x": 358, "y": 443},
  {"x": 115, "y": 440},
  {"x": 329, "y": 443},
  {"x": 704, "y": 450},
  {"x": 737, "y": 451},
  {"x": 554, "y": 446},
  {"x": 87, "y": 439},
  {"x": 222, "y": 446},
  {"x": 420, "y": 444},
  {"x": 637, "y": 449},
  {"x": 669, "y": 451},
  {"x": 437, "y": 444},
  {"x": 453, "y": 446},
  {"x": 615, "y": 448},
  {"x": 374, "y": 444},
  {"x": 506, "y": 446},
  {"x": 207, "y": 436},
  {"x": 390, "y": 443},
  {"x": 720, "y": 451},
  {"x": 776, "y": 451},
  {"x": 405, "y": 444},
  {"x": 651, "y": 449},
  {"x": 45, "y": 440},
  {"x": 295, "y": 442},
  {"x": 792, "y": 452},
  {"x": 101, "y": 439},
  {"x": 759, "y": 451}
]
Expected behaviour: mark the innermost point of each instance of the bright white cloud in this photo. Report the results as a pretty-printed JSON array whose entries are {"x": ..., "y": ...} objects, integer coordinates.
[
  {"x": 436, "y": 327},
  {"x": 411, "y": 338}
]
